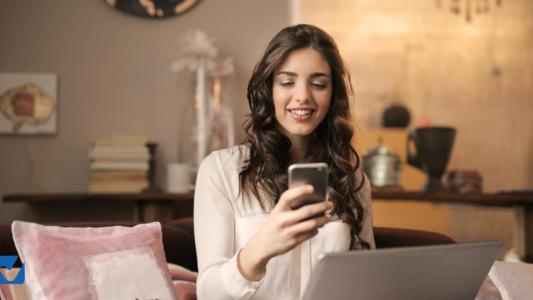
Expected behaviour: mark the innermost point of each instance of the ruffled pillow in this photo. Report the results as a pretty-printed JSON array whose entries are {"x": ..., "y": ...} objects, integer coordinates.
[{"x": 93, "y": 263}]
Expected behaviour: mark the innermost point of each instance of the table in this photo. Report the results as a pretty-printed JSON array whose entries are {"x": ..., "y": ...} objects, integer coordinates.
[
  {"x": 159, "y": 206},
  {"x": 148, "y": 207},
  {"x": 521, "y": 202}
]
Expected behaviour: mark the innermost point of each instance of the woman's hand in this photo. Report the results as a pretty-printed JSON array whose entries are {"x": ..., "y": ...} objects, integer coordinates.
[{"x": 284, "y": 229}]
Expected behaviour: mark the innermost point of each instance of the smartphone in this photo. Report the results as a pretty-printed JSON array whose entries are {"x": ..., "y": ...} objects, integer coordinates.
[{"x": 315, "y": 174}]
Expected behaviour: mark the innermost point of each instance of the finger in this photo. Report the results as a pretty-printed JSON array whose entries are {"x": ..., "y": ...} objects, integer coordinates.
[
  {"x": 308, "y": 211},
  {"x": 304, "y": 236},
  {"x": 308, "y": 225},
  {"x": 292, "y": 195}
]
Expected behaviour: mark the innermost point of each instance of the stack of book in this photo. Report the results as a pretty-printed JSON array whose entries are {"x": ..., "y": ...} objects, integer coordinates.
[{"x": 119, "y": 164}]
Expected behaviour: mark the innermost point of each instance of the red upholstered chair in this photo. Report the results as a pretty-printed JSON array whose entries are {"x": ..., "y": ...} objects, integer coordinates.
[
  {"x": 178, "y": 241},
  {"x": 386, "y": 237}
]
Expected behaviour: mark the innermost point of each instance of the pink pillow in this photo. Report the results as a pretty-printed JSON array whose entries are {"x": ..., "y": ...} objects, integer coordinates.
[{"x": 93, "y": 263}]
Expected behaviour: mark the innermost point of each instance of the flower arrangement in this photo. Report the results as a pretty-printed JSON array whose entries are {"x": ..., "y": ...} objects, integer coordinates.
[
  {"x": 214, "y": 122},
  {"x": 196, "y": 48}
]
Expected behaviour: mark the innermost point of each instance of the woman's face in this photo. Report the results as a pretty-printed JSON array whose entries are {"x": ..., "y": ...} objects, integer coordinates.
[{"x": 302, "y": 92}]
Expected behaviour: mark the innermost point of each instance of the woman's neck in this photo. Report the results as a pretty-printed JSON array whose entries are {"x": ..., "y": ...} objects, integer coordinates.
[{"x": 298, "y": 148}]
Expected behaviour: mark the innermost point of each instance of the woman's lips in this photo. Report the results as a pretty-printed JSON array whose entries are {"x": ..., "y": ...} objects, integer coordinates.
[{"x": 301, "y": 115}]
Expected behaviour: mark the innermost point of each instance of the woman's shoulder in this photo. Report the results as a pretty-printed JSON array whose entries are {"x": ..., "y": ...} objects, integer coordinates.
[
  {"x": 220, "y": 171},
  {"x": 228, "y": 158}
]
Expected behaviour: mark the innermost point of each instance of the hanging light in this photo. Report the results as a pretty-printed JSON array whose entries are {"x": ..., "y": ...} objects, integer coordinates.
[{"x": 468, "y": 7}]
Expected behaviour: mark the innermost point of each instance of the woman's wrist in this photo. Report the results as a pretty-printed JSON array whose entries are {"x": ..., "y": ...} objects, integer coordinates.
[{"x": 252, "y": 262}]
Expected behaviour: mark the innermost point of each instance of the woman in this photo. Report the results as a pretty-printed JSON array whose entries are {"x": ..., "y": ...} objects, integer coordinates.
[{"x": 250, "y": 243}]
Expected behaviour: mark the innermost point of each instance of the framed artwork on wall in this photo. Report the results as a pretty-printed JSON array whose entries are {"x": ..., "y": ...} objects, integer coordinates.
[{"x": 28, "y": 104}]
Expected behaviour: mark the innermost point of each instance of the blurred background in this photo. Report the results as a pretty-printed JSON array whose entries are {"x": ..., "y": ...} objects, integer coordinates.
[{"x": 465, "y": 64}]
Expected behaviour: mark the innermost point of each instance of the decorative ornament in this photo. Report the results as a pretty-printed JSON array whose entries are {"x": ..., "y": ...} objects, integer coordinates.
[
  {"x": 469, "y": 7},
  {"x": 214, "y": 123},
  {"x": 155, "y": 9}
]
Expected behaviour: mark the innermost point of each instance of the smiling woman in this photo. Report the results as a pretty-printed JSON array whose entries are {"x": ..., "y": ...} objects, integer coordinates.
[
  {"x": 153, "y": 8},
  {"x": 299, "y": 98}
]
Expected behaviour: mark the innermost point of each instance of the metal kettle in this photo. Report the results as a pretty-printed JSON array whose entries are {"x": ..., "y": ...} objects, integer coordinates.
[{"x": 382, "y": 166}]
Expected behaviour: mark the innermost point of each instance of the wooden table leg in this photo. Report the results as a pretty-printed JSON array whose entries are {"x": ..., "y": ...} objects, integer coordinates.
[
  {"x": 523, "y": 240},
  {"x": 528, "y": 233},
  {"x": 138, "y": 212},
  {"x": 157, "y": 211}
]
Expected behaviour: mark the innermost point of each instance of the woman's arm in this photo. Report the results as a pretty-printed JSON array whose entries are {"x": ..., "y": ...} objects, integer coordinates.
[
  {"x": 214, "y": 221},
  {"x": 284, "y": 229},
  {"x": 229, "y": 273}
]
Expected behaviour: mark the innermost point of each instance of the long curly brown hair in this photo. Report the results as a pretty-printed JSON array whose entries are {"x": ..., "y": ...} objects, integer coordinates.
[{"x": 266, "y": 168}]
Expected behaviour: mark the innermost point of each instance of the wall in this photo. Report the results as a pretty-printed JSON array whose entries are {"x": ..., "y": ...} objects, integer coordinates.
[
  {"x": 114, "y": 78},
  {"x": 476, "y": 76}
]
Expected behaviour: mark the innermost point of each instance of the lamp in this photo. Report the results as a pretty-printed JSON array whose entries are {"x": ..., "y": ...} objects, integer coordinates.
[{"x": 469, "y": 7}]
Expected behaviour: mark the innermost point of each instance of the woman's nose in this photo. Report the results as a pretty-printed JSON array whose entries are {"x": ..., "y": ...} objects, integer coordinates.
[{"x": 302, "y": 93}]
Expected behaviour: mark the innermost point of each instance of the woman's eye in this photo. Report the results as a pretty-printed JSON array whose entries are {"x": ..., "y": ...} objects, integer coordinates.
[
  {"x": 318, "y": 85},
  {"x": 286, "y": 83}
]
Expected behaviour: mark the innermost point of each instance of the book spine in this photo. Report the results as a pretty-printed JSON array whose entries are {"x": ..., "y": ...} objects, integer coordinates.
[
  {"x": 119, "y": 165},
  {"x": 118, "y": 175},
  {"x": 121, "y": 140}
]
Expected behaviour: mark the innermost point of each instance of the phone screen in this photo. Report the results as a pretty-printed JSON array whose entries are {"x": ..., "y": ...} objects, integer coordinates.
[{"x": 315, "y": 174}]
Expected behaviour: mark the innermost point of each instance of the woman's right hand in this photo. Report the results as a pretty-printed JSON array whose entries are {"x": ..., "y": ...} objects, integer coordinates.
[{"x": 284, "y": 229}]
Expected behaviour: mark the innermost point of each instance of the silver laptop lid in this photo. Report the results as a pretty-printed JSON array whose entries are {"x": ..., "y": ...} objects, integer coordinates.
[{"x": 453, "y": 271}]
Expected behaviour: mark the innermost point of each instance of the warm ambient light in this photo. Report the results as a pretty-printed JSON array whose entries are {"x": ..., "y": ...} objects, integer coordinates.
[{"x": 468, "y": 7}]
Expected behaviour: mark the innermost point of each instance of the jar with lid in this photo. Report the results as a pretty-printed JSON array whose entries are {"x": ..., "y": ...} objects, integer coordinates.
[{"x": 382, "y": 166}]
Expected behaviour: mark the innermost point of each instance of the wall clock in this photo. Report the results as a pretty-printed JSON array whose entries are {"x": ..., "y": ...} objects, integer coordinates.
[{"x": 153, "y": 8}]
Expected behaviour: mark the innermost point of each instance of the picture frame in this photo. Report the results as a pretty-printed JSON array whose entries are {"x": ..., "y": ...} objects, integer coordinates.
[{"x": 28, "y": 103}]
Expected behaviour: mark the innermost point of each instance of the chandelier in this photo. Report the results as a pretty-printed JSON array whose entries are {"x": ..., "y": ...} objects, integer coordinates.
[{"x": 468, "y": 7}]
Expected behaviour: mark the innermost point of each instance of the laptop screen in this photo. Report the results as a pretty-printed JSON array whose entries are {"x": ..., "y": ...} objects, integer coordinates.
[{"x": 453, "y": 271}]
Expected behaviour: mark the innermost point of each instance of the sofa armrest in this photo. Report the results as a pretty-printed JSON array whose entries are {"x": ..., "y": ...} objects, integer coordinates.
[
  {"x": 178, "y": 239},
  {"x": 7, "y": 246},
  {"x": 386, "y": 237}
]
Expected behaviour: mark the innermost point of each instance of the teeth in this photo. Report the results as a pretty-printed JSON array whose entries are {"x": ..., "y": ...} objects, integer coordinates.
[{"x": 301, "y": 112}]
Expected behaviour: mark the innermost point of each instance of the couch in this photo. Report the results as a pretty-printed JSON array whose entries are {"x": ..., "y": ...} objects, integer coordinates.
[
  {"x": 178, "y": 242},
  {"x": 178, "y": 239}
]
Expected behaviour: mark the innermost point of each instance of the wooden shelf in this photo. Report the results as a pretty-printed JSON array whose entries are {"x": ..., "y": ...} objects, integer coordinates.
[
  {"x": 149, "y": 207},
  {"x": 162, "y": 206},
  {"x": 92, "y": 197},
  {"x": 494, "y": 199}
]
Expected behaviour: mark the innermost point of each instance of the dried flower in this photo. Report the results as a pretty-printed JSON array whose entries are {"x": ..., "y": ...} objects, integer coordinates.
[
  {"x": 223, "y": 68},
  {"x": 194, "y": 46}
]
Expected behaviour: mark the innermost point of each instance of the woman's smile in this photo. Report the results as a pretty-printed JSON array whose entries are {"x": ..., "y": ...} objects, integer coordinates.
[{"x": 301, "y": 114}]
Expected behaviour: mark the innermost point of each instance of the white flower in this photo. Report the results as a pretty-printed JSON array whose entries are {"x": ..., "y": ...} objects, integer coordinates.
[
  {"x": 195, "y": 46},
  {"x": 223, "y": 68}
]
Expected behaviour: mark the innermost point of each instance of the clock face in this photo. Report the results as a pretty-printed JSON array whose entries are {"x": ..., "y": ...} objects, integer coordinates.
[{"x": 153, "y": 8}]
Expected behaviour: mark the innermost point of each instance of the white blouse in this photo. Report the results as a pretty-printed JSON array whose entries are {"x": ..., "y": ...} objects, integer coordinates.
[{"x": 224, "y": 220}]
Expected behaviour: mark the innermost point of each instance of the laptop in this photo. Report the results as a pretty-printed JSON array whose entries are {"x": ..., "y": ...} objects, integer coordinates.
[{"x": 454, "y": 271}]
